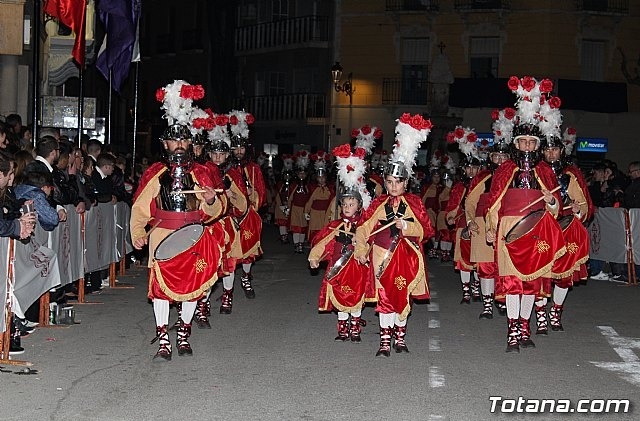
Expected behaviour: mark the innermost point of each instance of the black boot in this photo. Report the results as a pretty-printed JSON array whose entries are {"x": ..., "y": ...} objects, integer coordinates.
[
  {"x": 245, "y": 281},
  {"x": 466, "y": 293},
  {"x": 487, "y": 311},
  {"x": 513, "y": 333},
  {"x": 343, "y": 330},
  {"x": 202, "y": 314},
  {"x": 525, "y": 334},
  {"x": 475, "y": 290},
  {"x": 541, "y": 320},
  {"x": 227, "y": 301},
  {"x": 400, "y": 345},
  {"x": 385, "y": 341},
  {"x": 164, "y": 350},
  {"x": 355, "y": 329},
  {"x": 15, "y": 347},
  {"x": 182, "y": 340},
  {"x": 555, "y": 314}
]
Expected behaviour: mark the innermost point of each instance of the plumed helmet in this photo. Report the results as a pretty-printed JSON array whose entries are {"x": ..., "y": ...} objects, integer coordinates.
[{"x": 176, "y": 132}]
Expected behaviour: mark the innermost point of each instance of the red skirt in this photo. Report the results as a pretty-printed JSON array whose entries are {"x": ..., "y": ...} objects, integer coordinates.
[{"x": 348, "y": 290}]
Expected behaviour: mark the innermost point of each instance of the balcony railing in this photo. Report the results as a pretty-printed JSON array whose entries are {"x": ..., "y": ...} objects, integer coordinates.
[
  {"x": 286, "y": 107},
  {"x": 282, "y": 33},
  {"x": 620, "y": 7},
  {"x": 405, "y": 91},
  {"x": 412, "y": 5},
  {"x": 482, "y": 4}
]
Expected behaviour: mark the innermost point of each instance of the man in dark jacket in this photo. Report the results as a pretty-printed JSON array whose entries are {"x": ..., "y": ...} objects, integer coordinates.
[{"x": 632, "y": 192}]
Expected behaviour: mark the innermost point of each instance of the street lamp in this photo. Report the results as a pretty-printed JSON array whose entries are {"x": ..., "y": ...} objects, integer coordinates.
[{"x": 347, "y": 86}]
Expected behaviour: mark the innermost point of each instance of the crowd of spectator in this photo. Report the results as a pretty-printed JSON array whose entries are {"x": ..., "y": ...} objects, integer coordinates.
[{"x": 55, "y": 175}]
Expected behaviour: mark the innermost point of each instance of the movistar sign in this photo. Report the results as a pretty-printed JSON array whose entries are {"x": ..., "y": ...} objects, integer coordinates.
[{"x": 592, "y": 144}]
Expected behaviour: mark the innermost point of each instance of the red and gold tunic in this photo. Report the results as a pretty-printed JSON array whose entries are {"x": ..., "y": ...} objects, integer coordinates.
[
  {"x": 353, "y": 284},
  {"x": 524, "y": 262},
  {"x": 282, "y": 193},
  {"x": 298, "y": 199},
  {"x": 400, "y": 272},
  {"x": 443, "y": 233},
  {"x": 455, "y": 210},
  {"x": 431, "y": 202},
  {"x": 476, "y": 206},
  {"x": 317, "y": 207},
  {"x": 181, "y": 282},
  {"x": 249, "y": 223}
]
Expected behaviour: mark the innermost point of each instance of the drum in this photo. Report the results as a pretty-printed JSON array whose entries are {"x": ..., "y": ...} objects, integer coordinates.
[
  {"x": 186, "y": 262},
  {"x": 524, "y": 226},
  {"x": 565, "y": 221},
  {"x": 178, "y": 242}
]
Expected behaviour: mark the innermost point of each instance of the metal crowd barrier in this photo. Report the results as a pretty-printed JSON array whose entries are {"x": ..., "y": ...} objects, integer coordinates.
[
  {"x": 615, "y": 237},
  {"x": 95, "y": 240}
]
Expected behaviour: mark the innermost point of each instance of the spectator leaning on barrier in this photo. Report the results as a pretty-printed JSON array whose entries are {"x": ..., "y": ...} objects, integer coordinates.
[
  {"x": 47, "y": 152},
  {"x": 38, "y": 186},
  {"x": 632, "y": 192}
]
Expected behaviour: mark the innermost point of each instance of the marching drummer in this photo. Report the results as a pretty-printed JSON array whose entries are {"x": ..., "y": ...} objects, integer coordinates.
[
  {"x": 576, "y": 208},
  {"x": 476, "y": 204},
  {"x": 346, "y": 284},
  {"x": 390, "y": 235},
  {"x": 523, "y": 193},
  {"x": 454, "y": 212},
  {"x": 172, "y": 194}
]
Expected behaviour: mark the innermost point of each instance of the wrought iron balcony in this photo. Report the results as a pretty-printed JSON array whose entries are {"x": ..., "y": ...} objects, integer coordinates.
[
  {"x": 301, "y": 106},
  {"x": 286, "y": 33},
  {"x": 470, "y": 5},
  {"x": 409, "y": 91},
  {"x": 618, "y": 7},
  {"x": 412, "y": 5}
]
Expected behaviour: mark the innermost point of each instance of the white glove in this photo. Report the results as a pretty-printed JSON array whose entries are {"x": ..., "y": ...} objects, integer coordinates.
[
  {"x": 283, "y": 209},
  {"x": 307, "y": 217}
]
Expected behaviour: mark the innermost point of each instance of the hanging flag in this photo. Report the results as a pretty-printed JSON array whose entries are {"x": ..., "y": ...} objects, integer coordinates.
[
  {"x": 120, "y": 20},
  {"x": 71, "y": 13}
]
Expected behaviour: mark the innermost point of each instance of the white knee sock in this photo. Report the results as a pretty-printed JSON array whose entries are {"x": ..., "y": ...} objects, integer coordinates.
[
  {"x": 399, "y": 322},
  {"x": 465, "y": 276},
  {"x": 475, "y": 276},
  {"x": 295, "y": 238},
  {"x": 487, "y": 285},
  {"x": 445, "y": 245},
  {"x": 227, "y": 281},
  {"x": 342, "y": 315},
  {"x": 207, "y": 294},
  {"x": 356, "y": 313},
  {"x": 188, "y": 308},
  {"x": 161, "y": 311},
  {"x": 513, "y": 306},
  {"x": 387, "y": 319},
  {"x": 559, "y": 294},
  {"x": 526, "y": 305},
  {"x": 283, "y": 230},
  {"x": 246, "y": 267},
  {"x": 541, "y": 302}
]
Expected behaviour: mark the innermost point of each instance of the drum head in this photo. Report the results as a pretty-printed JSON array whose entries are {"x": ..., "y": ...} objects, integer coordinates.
[
  {"x": 565, "y": 221},
  {"x": 179, "y": 241},
  {"x": 524, "y": 225}
]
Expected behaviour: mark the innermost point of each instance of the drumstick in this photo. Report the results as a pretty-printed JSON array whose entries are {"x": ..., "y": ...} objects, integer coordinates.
[
  {"x": 153, "y": 228},
  {"x": 195, "y": 191},
  {"x": 384, "y": 227},
  {"x": 571, "y": 205},
  {"x": 538, "y": 199}
]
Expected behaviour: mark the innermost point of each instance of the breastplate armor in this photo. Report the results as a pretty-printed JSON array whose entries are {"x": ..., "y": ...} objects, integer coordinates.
[
  {"x": 175, "y": 179},
  {"x": 525, "y": 177}
]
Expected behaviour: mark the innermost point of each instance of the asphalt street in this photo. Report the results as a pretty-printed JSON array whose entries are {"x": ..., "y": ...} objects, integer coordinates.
[{"x": 275, "y": 358}]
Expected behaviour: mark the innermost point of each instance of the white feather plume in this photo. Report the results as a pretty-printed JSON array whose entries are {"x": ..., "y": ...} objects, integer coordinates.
[
  {"x": 177, "y": 110},
  {"x": 408, "y": 140},
  {"x": 351, "y": 174}
]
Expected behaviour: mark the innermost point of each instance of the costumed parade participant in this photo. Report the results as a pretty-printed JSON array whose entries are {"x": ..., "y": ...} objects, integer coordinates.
[
  {"x": 282, "y": 208},
  {"x": 219, "y": 152},
  {"x": 446, "y": 235},
  {"x": 576, "y": 208},
  {"x": 298, "y": 199},
  {"x": 390, "y": 235},
  {"x": 455, "y": 210},
  {"x": 253, "y": 187},
  {"x": 521, "y": 218},
  {"x": 476, "y": 205},
  {"x": 161, "y": 203},
  {"x": 321, "y": 196},
  {"x": 431, "y": 193},
  {"x": 346, "y": 284}
]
